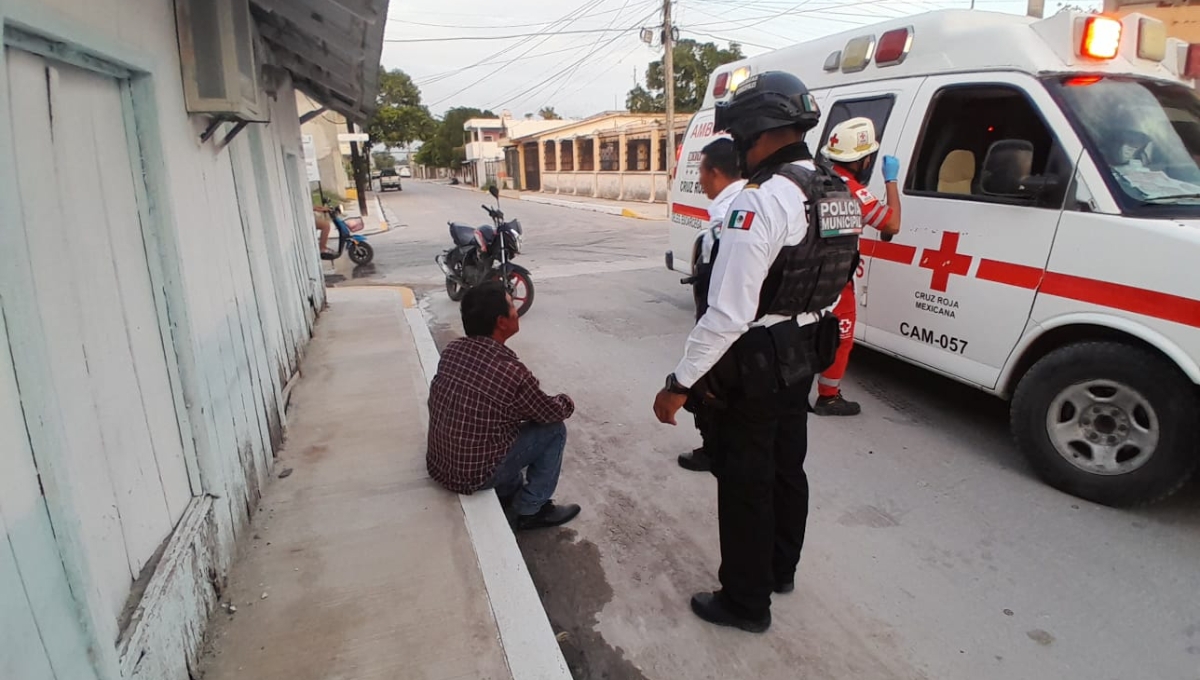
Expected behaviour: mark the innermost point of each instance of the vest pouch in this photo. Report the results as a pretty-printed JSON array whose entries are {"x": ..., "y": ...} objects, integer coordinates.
[
  {"x": 755, "y": 354},
  {"x": 795, "y": 351},
  {"x": 829, "y": 336}
]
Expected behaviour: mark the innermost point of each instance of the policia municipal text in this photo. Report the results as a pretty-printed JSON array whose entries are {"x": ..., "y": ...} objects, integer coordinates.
[{"x": 768, "y": 330}]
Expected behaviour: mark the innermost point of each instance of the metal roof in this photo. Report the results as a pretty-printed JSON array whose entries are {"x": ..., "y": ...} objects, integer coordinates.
[{"x": 331, "y": 48}]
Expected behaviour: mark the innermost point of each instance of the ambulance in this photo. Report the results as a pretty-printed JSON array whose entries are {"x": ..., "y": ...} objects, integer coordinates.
[{"x": 1049, "y": 251}]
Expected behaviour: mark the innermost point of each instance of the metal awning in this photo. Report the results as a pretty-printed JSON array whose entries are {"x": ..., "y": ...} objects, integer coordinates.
[{"x": 331, "y": 48}]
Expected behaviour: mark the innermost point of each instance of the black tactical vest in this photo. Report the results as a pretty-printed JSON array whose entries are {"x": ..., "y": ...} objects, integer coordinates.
[{"x": 809, "y": 276}]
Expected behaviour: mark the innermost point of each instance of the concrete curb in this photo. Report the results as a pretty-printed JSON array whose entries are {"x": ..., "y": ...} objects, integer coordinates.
[
  {"x": 590, "y": 207},
  {"x": 530, "y": 647},
  {"x": 563, "y": 203}
]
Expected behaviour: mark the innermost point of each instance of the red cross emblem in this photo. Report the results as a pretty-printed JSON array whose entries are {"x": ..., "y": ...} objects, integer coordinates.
[
  {"x": 833, "y": 141},
  {"x": 945, "y": 261}
]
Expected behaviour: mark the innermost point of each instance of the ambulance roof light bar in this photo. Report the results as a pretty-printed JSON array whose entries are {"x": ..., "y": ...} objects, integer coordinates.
[
  {"x": 894, "y": 46},
  {"x": 1101, "y": 37}
]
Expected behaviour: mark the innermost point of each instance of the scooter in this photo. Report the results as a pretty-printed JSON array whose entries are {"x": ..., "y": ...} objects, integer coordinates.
[{"x": 360, "y": 251}]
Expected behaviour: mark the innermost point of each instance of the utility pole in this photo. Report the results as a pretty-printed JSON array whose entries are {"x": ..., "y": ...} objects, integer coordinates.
[
  {"x": 668, "y": 41},
  {"x": 360, "y": 186}
]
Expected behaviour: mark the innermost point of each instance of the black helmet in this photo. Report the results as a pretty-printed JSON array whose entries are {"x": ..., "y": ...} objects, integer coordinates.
[{"x": 767, "y": 101}]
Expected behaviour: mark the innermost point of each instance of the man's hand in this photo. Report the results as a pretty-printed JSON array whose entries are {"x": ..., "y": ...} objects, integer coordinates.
[
  {"x": 667, "y": 404},
  {"x": 891, "y": 168}
]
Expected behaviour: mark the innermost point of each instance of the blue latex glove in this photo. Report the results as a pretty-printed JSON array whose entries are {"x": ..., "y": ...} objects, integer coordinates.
[{"x": 891, "y": 168}]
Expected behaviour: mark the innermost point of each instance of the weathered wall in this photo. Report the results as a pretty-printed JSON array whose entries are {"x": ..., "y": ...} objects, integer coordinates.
[
  {"x": 622, "y": 186},
  {"x": 231, "y": 253}
]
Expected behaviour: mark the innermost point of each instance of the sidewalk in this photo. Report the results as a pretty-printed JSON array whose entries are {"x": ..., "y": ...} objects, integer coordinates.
[
  {"x": 357, "y": 564},
  {"x": 633, "y": 209}
]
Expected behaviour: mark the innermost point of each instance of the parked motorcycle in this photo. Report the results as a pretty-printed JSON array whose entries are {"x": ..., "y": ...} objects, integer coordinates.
[
  {"x": 484, "y": 254},
  {"x": 355, "y": 245}
]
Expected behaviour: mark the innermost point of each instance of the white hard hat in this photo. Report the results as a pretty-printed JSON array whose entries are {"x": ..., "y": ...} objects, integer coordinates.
[{"x": 851, "y": 140}]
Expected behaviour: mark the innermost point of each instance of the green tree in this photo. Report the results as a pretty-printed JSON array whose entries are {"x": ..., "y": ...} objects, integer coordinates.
[
  {"x": 444, "y": 148},
  {"x": 383, "y": 160},
  {"x": 694, "y": 62},
  {"x": 399, "y": 118},
  {"x": 548, "y": 113}
]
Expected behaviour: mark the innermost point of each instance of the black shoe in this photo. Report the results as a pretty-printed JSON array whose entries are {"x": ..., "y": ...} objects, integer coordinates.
[
  {"x": 785, "y": 587},
  {"x": 836, "y": 406},
  {"x": 696, "y": 461},
  {"x": 550, "y": 515},
  {"x": 708, "y": 607}
]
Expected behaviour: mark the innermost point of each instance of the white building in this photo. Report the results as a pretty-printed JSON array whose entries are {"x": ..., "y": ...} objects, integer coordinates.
[
  {"x": 482, "y": 145},
  {"x": 160, "y": 283},
  {"x": 484, "y": 138}
]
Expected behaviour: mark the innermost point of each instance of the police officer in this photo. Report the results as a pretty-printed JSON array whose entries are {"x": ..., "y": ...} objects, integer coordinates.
[
  {"x": 721, "y": 182},
  {"x": 789, "y": 246}
]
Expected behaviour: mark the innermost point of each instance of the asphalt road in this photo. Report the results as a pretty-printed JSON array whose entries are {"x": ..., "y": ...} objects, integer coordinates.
[{"x": 932, "y": 550}]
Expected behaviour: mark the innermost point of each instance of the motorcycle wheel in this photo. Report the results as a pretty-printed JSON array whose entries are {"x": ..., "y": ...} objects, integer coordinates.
[
  {"x": 455, "y": 290},
  {"x": 520, "y": 285},
  {"x": 361, "y": 252}
]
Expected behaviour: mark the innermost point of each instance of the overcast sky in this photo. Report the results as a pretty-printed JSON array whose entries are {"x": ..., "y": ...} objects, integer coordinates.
[{"x": 582, "y": 56}]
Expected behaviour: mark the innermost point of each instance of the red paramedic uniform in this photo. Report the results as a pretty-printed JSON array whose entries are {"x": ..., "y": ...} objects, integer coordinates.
[{"x": 875, "y": 214}]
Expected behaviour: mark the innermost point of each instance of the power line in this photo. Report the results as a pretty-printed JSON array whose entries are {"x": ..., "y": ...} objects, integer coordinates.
[
  {"x": 514, "y": 36},
  {"x": 495, "y": 26},
  {"x": 567, "y": 19},
  {"x": 430, "y": 79},
  {"x": 568, "y": 77},
  {"x": 542, "y": 84}
]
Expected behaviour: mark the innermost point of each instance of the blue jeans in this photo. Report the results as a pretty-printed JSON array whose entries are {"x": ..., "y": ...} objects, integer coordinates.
[{"x": 538, "y": 452}]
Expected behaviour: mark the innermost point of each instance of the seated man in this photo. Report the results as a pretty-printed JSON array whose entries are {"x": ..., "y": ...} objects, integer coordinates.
[{"x": 489, "y": 420}]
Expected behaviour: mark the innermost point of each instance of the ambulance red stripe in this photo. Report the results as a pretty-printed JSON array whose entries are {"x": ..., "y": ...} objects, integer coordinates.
[
  {"x": 892, "y": 252},
  {"x": 689, "y": 211},
  {"x": 1017, "y": 275},
  {"x": 1165, "y": 306}
]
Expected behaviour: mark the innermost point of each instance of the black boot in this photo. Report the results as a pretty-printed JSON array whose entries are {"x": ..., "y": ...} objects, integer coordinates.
[
  {"x": 836, "y": 406},
  {"x": 550, "y": 515},
  {"x": 708, "y": 606},
  {"x": 696, "y": 461}
]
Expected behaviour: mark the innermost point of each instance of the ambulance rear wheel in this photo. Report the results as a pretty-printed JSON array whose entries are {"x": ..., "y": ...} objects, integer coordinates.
[{"x": 1109, "y": 422}]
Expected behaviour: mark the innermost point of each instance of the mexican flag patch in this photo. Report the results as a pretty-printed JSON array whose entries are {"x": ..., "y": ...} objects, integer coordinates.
[{"x": 741, "y": 219}]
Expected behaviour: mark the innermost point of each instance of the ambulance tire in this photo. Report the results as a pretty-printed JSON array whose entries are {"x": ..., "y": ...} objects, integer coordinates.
[{"x": 1167, "y": 392}]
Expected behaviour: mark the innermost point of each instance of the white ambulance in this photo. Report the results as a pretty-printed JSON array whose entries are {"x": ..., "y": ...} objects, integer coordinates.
[{"x": 1050, "y": 245}]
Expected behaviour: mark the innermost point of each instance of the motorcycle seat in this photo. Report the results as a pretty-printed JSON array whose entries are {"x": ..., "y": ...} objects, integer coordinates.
[{"x": 462, "y": 234}]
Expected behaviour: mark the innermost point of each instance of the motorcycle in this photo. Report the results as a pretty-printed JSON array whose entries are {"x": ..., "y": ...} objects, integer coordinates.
[
  {"x": 359, "y": 250},
  {"x": 484, "y": 254}
]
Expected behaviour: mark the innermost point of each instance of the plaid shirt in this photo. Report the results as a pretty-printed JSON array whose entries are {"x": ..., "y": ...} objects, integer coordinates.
[{"x": 481, "y": 395}]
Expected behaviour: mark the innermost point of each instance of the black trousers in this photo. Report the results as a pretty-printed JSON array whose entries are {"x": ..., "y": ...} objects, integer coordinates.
[{"x": 758, "y": 447}]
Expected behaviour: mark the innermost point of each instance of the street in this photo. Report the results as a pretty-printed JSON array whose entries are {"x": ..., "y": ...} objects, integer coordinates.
[{"x": 932, "y": 551}]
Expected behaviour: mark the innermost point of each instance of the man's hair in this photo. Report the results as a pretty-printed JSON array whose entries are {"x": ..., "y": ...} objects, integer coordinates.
[
  {"x": 721, "y": 156},
  {"x": 482, "y": 306}
]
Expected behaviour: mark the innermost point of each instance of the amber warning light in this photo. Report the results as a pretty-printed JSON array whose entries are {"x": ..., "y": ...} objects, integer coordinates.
[{"x": 1101, "y": 37}]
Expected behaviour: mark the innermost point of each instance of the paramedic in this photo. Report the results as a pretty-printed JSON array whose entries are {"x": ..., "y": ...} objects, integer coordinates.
[
  {"x": 788, "y": 247},
  {"x": 852, "y": 148}
]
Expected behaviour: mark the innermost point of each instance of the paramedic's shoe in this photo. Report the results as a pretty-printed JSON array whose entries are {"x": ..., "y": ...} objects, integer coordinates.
[{"x": 836, "y": 406}]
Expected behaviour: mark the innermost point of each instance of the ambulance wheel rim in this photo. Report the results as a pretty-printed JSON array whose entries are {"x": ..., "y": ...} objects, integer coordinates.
[{"x": 1103, "y": 427}]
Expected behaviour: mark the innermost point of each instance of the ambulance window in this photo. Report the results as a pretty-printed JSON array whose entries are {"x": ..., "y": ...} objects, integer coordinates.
[
  {"x": 877, "y": 109},
  {"x": 965, "y": 123}
]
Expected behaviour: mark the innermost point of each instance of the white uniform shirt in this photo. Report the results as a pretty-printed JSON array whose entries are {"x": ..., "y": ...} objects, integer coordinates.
[
  {"x": 761, "y": 221},
  {"x": 717, "y": 211}
]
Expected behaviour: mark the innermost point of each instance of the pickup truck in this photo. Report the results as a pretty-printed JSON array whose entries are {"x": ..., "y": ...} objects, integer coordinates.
[{"x": 389, "y": 179}]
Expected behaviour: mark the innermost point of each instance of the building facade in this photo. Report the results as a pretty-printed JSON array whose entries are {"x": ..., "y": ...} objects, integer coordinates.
[
  {"x": 614, "y": 155},
  {"x": 161, "y": 282}
]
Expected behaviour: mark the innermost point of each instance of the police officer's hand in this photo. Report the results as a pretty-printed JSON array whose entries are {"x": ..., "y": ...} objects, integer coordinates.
[
  {"x": 891, "y": 168},
  {"x": 667, "y": 404}
]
